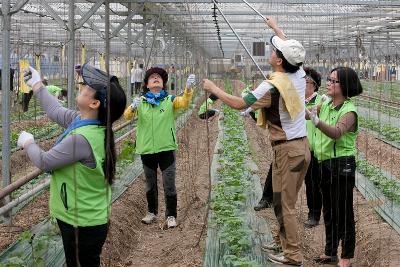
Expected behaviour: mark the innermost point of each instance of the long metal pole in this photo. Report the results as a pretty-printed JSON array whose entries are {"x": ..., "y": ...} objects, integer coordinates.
[
  {"x": 239, "y": 39},
  {"x": 5, "y": 112},
  {"x": 23, "y": 197},
  {"x": 71, "y": 54},
  {"x": 128, "y": 55},
  {"x": 144, "y": 43},
  {"x": 255, "y": 10}
]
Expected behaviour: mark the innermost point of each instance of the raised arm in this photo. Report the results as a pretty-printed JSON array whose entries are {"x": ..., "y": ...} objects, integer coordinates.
[
  {"x": 49, "y": 103},
  {"x": 271, "y": 22}
]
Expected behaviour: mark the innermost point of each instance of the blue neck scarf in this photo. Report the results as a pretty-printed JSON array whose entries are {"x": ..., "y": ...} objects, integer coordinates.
[
  {"x": 76, "y": 123},
  {"x": 155, "y": 98}
]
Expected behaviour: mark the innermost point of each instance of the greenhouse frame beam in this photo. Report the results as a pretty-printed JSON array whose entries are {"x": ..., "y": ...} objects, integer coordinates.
[
  {"x": 293, "y": 2},
  {"x": 122, "y": 24},
  {"x": 145, "y": 27},
  {"x": 53, "y": 14},
  {"x": 154, "y": 12},
  {"x": 90, "y": 23},
  {"x": 18, "y": 6},
  {"x": 5, "y": 107},
  {"x": 71, "y": 54},
  {"x": 90, "y": 13}
]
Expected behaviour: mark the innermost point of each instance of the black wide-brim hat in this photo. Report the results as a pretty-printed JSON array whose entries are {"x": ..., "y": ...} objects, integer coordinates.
[
  {"x": 95, "y": 78},
  {"x": 160, "y": 71}
]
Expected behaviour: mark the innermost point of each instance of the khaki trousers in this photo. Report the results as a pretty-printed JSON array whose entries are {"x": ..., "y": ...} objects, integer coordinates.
[{"x": 289, "y": 167}]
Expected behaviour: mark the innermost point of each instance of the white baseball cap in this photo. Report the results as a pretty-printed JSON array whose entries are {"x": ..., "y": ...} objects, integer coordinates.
[{"x": 292, "y": 50}]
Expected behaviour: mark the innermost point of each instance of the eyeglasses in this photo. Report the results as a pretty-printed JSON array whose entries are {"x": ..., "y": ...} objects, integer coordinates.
[{"x": 329, "y": 79}]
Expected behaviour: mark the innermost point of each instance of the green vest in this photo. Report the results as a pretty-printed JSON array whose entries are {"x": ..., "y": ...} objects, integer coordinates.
[
  {"x": 54, "y": 90},
  {"x": 310, "y": 126},
  {"x": 155, "y": 129},
  {"x": 79, "y": 195},
  {"x": 205, "y": 105},
  {"x": 328, "y": 148}
]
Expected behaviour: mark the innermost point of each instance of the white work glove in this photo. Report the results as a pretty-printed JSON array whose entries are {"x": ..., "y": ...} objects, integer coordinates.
[
  {"x": 246, "y": 112},
  {"x": 313, "y": 116},
  {"x": 23, "y": 138},
  {"x": 191, "y": 80},
  {"x": 135, "y": 103},
  {"x": 324, "y": 98},
  {"x": 31, "y": 77}
]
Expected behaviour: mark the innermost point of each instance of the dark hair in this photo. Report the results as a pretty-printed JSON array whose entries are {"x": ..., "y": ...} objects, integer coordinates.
[
  {"x": 286, "y": 65},
  {"x": 213, "y": 97},
  {"x": 45, "y": 82},
  {"x": 315, "y": 76},
  {"x": 116, "y": 102},
  {"x": 64, "y": 92},
  {"x": 141, "y": 65},
  {"x": 348, "y": 81}
]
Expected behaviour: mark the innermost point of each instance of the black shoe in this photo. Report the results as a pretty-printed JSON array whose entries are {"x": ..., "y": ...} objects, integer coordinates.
[
  {"x": 263, "y": 204},
  {"x": 311, "y": 222},
  {"x": 327, "y": 260}
]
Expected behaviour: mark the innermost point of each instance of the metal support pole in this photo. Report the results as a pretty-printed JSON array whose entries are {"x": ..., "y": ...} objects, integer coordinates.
[
  {"x": 128, "y": 55},
  {"x": 240, "y": 40},
  {"x": 144, "y": 43},
  {"x": 71, "y": 54},
  {"x": 107, "y": 35},
  {"x": 163, "y": 52},
  {"x": 5, "y": 112}
]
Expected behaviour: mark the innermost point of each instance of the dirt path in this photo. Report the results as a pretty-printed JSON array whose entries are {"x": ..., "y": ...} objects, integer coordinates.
[{"x": 132, "y": 243}]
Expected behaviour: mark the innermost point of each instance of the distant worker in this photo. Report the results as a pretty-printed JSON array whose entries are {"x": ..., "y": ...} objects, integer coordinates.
[{"x": 137, "y": 76}]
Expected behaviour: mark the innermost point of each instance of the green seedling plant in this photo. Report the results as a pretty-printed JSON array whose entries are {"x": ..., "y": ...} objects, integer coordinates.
[
  {"x": 390, "y": 188},
  {"x": 388, "y": 131},
  {"x": 229, "y": 196}
]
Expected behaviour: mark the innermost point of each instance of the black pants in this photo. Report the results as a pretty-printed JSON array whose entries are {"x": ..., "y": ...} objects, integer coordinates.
[
  {"x": 338, "y": 180},
  {"x": 166, "y": 161},
  {"x": 208, "y": 114},
  {"x": 138, "y": 85},
  {"x": 26, "y": 97},
  {"x": 267, "y": 192},
  {"x": 90, "y": 242},
  {"x": 313, "y": 189}
]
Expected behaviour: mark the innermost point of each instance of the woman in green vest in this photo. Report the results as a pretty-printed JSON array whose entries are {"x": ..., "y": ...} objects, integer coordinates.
[
  {"x": 156, "y": 138},
  {"x": 82, "y": 161},
  {"x": 336, "y": 121},
  {"x": 312, "y": 179}
]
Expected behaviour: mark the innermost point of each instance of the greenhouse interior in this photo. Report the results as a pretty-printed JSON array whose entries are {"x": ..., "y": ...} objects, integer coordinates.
[{"x": 270, "y": 128}]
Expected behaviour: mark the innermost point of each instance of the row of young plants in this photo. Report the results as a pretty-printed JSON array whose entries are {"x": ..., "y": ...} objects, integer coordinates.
[
  {"x": 389, "y": 187},
  {"x": 229, "y": 196},
  {"x": 377, "y": 106},
  {"x": 39, "y": 132},
  {"x": 390, "y": 89},
  {"x": 388, "y": 131}
]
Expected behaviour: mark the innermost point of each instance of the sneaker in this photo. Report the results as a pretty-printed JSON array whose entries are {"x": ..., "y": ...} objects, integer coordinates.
[
  {"x": 281, "y": 259},
  {"x": 311, "y": 222},
  {"x": 263, "y": 204},
  {"x": 271, "y": 246},
  {"x": 171, "y": 222},
  {"x": 149, "y": 218}
]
